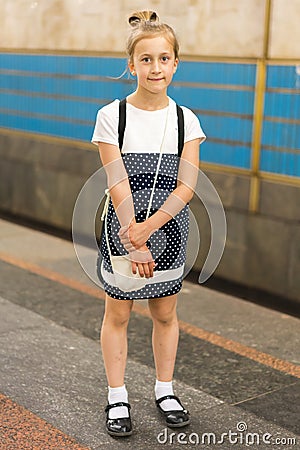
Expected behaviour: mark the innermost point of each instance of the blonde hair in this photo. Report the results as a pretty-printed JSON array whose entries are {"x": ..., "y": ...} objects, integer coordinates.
[{"x": 146, "y": 24}]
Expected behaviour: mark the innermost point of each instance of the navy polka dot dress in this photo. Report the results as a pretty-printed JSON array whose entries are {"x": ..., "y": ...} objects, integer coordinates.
[{"x": 168, "y": 244}]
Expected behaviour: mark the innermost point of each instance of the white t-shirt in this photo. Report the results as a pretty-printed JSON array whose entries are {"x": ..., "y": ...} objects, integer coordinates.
[{"x": 144, "y": 129}]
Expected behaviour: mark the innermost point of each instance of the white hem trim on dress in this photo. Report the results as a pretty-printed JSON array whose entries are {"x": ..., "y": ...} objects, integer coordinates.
[{"x": 161, "y": 276}]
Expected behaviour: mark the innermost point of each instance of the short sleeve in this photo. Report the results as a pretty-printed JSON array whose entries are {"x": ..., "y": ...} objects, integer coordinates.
[
  {"x": 192, "y": 127},
  {"x": 106, "y": 126}
]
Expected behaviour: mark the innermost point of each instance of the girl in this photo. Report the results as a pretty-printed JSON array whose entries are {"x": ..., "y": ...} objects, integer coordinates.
[{"x": 156, "y": 242}]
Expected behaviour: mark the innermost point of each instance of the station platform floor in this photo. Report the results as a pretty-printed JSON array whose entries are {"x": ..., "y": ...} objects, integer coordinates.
[{"x": 237, "y": 367}]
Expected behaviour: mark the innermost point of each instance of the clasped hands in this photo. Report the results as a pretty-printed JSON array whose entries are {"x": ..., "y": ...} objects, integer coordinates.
[{"x": 134, "y": 237}]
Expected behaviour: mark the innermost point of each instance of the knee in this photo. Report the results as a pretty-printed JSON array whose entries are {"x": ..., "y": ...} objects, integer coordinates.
[
  {"x": 117, "y": 316},
  {"x": 116, "y": 319},
  {"x": 165, "y": 317}
]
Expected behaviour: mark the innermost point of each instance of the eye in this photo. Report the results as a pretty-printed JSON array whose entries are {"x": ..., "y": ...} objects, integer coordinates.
[
  {"x": 146, "y": 59},
  {"x": 165, "y": 58}
]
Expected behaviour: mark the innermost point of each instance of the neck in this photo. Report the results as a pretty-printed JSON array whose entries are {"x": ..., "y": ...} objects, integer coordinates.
[{"x": 148, "y": 101}]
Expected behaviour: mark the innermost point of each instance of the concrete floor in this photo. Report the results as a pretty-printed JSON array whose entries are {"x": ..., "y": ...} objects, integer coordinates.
[{"x": 236, "y": 368}]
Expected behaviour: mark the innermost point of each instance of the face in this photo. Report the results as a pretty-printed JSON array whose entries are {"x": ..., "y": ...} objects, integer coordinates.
[{"x": 154, "y": 64}]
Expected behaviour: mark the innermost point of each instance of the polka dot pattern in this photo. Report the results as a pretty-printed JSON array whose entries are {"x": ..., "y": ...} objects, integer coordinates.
[{"x": 167, "y": 245}]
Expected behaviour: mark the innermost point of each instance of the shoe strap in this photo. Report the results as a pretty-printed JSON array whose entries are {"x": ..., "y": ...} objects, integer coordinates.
[
  {"x": 113, "y": 405},
  {"x": 167, "y": 397}
]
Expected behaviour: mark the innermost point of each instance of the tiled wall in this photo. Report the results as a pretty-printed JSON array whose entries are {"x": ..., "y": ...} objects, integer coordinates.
[
  {"x": 60, "y": 95},
  {"x": 205, "y": 27}
]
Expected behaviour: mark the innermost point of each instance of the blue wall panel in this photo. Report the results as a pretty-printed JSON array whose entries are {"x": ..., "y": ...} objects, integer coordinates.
[
  {"x": 60, "y": 64},
  {"x": 216, "y": 73},
  {"x": 286, "y": 105},
  {"x": 283, "y": 77},
  {"x": 281, "y": 135},
  {"x": 71, "y": 109},
  {"x": 238, "y": 102},
  {"x": 45, "y": 126},
  {"x": 60, "y": 95},
  {"x": 280, "y": 162},
  {"x": 227, "y": 128},
  {"x": 89, "y": 89},
  {"x": 222, "y": 153},
  {"x": 281, "y": 128}
]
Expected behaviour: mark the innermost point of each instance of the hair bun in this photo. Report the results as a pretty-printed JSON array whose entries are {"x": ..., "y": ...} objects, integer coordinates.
[{"x": 142, "y": 16}]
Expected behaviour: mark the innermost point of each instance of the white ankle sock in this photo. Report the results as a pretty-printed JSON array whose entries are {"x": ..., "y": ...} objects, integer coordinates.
[
  {"x": 166, "y": 388},
  {"x": 115, "y": 395}
]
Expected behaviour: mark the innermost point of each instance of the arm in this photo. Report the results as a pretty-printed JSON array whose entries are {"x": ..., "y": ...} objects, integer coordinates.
[
  {"x": 139, "y": 233},
  {"x": 117, "y": 182},
  {"x": 119, "y": 188}
]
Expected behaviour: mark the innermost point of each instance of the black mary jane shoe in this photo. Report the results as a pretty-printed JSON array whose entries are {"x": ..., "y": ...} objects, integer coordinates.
[
  {"x": 118, "y": 427},
  {"x": 174, "y": 418}
]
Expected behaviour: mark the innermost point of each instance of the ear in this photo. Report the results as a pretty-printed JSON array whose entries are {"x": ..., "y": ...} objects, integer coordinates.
[
  {"x": 131, "y": 68},
  {"x": 176, "y": 61}
]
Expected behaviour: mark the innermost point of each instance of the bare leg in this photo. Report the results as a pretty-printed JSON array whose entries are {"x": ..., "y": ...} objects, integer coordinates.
[
  {"x": 165, "y": 342},
  {"x": 114, "y": 339},
  {"x": 114, "y": 352},
  {"x": 165, "y": 335}
]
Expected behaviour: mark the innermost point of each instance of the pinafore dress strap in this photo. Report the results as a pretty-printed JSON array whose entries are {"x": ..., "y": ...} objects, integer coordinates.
[
  {"x": 180, "y": 120},
  {"x": 121, "y": 131},
  {"x": 122, "y": 125},
  {"x": 122, "y": 122}
]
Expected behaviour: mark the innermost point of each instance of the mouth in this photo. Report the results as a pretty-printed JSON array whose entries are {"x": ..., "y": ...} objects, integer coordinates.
[{"x": 155, "y": 79}]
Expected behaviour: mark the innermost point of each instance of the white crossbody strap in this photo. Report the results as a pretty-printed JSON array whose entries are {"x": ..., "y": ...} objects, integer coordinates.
[{"x": 105, "y": 208}]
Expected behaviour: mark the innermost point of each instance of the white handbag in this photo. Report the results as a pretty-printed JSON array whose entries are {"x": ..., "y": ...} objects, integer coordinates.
[{"x": 124, "y": 278}]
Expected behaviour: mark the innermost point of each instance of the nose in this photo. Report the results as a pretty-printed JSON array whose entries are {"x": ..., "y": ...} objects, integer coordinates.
[{"x": 155, "y": 67}]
